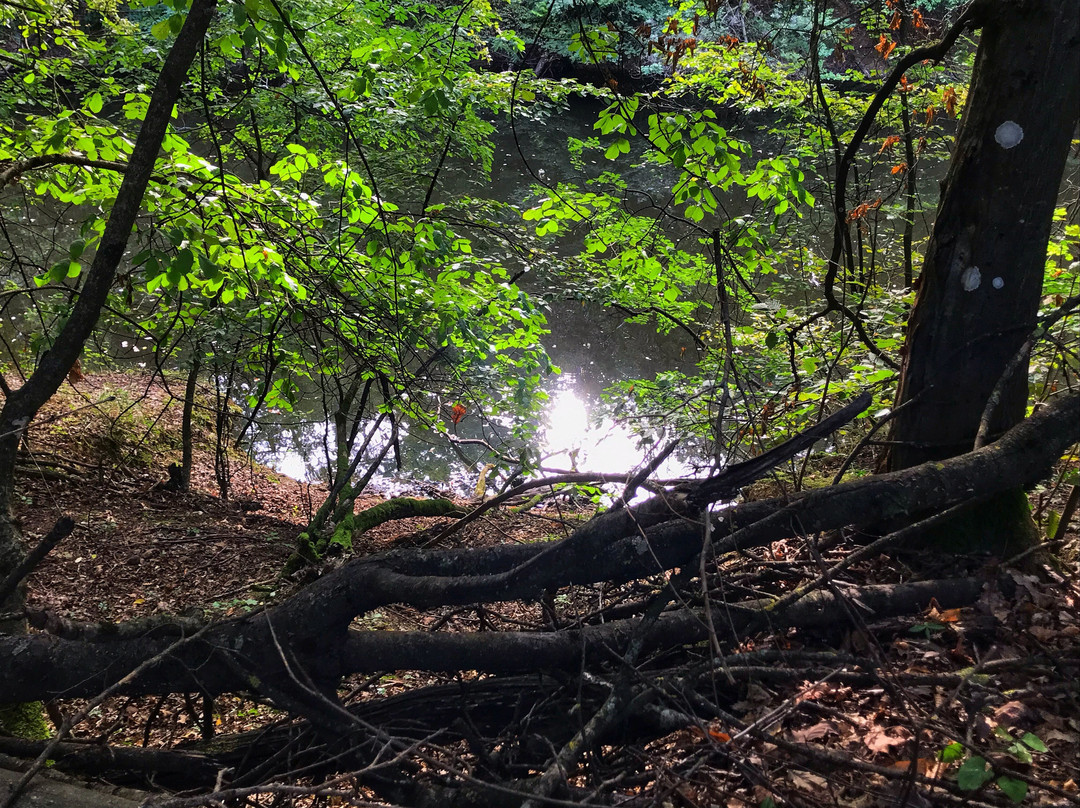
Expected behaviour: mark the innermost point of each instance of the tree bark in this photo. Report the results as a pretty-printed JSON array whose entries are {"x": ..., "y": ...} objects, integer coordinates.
[
  {"x": 982, "y": 279},
  {"x": 187, "y": 437}
]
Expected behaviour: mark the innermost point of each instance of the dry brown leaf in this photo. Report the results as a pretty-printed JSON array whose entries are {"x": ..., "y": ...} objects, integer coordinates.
[
  {"x": 1052, "y": 735},
  {"x": 760, "y": 794},
  {"x": 1014, "y": 714},
  {"x": 808, "y": 781},
  {"x": 882, "y": 739},
  {"x": 815, "y": 733},
  {"x": 1043, "y": 634}
]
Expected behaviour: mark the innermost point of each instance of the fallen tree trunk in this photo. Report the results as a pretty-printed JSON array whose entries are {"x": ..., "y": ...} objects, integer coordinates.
[
  {"x": 310, "y": 631},
  {"x": 535, "y": 704}
]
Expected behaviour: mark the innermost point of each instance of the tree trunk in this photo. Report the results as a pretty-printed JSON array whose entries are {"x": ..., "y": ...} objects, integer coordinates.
[
  {"x": 982, "y": 279},
  {"x": 187, "y": 437}
]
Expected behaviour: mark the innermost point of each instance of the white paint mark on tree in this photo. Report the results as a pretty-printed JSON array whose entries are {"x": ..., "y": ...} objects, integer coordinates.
[
  {"x": 1009, "y": 134},
  {"x": 971, "y": 279},
  {"x": 998, "y": 282}
]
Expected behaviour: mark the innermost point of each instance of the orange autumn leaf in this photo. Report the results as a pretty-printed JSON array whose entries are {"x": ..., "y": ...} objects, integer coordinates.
[
  {"x": 859, "y": 211},
  {"x": 905, "y": 85},
  {"x": 896, "y": 21},
  {"x": 935, "y": 612},
  {"x": 929, "y": 114},
  {"x": 888, "y": 143},
  {"x": 950, "y": 100},
  {"x": 884, "y": 46},
  {"x": 899, "y": 168},
  {"x": 917, "y": 19},
  {"x": 457, "y": 413},
  {"x": 925, "y": 766}
]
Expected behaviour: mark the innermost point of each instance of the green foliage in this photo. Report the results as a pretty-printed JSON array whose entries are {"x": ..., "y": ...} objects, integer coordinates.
[
  {"x": 298, "y": 236},
  {"x": 593, "y": 32},
  {"x": 975, "y": 772}
]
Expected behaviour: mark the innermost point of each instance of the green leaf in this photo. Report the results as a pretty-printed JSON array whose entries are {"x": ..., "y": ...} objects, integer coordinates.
[
  {"x": 1020, "y": 752},
  {"x": 1033, "y": 741},
  {"x": 57, "y": 272},
  {"x": 952, "y": 752},
  {"x": 160, "y": 30},
  {"x": 183, "y": 262},
  {"x": 1015, "y": 790},
  {"x": 973, "y": 774},
  {"x": 771, "y": 339},
  {"x": 94, "y": 103}
]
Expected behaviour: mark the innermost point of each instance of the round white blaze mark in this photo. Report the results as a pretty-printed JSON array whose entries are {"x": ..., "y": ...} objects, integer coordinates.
[
  {"x": 1009, "y": 134},
  {"x": 998, "y": 282},
  {"x": 971, "y": 279}
]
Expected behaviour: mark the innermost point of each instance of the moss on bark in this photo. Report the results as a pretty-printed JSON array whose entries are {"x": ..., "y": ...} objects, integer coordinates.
[
  {"x": 1002, "y": 527},
  {"x": 25, "y": 721},
  {"x": 312, "y": 547}
]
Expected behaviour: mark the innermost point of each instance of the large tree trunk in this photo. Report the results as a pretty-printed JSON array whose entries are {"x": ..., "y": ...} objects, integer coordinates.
[{"x": 981, "y": 282}]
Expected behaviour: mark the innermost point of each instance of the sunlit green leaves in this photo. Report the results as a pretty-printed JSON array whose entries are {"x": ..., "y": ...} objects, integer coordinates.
[{"x": 595, "y": 44}]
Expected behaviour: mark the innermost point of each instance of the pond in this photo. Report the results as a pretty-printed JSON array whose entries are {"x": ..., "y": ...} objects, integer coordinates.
[{"x": 594, "y": 348}]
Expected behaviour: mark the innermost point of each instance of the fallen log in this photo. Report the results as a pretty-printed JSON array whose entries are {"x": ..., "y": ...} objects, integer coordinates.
[
  {"x": 508, "y": 709},
  {"x": 310, "y": 631}
]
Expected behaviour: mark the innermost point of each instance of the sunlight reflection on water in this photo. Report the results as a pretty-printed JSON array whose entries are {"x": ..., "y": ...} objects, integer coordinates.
[
  {"x": 572, "y": 442},
  {"x": 576, "y": 436}
]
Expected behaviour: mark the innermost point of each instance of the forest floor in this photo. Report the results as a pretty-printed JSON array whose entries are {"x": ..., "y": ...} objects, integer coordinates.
[{"x": 100, "y": 452}]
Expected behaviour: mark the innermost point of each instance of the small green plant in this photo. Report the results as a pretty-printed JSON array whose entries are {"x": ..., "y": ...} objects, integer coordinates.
[
  {"x": 234, "y": 603},
  {"x": 975, "y": 772},
  {"x": 927, "y": 629}
]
